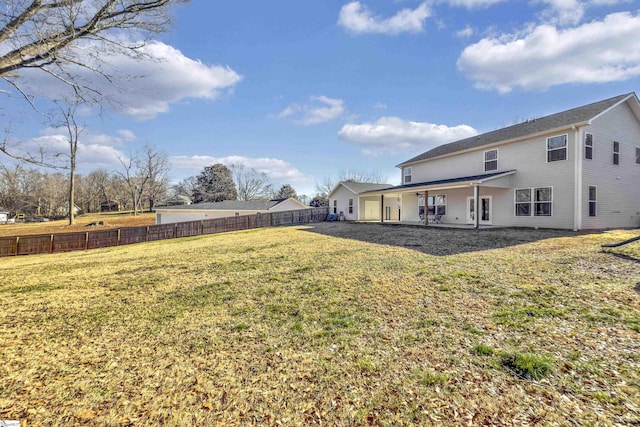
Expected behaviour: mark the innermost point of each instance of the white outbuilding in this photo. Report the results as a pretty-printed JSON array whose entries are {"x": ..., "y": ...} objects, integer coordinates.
[
  {"x": 343, "y": 200},
  {"x": 227, "y": 208}
]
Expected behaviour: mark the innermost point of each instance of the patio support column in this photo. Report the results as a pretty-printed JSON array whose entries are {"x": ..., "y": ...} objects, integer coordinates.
[
  {"x": 382, "y": 208},
  {"x": 426, "y": 207},
  {"x": 476, "y": 207}
]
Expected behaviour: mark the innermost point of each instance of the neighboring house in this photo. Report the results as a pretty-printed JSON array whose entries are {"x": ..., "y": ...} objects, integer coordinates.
[
  {"x": 578, "y": 169},
  {"x": 344, "y": 200},
  {"x": 109, "y": 206},
  {"x": 4, "y": 216},
  {"x": 199, "y": 211},
  {"x": 177, "y": 200}
]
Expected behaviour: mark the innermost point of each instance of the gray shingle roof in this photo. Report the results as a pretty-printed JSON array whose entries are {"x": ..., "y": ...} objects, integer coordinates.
[
  {"x": 456, "y": 180},
  {"x": 230, "y": 205},
  {"x": 360, "y": 187},
  {"x": 530, "y": 127}
]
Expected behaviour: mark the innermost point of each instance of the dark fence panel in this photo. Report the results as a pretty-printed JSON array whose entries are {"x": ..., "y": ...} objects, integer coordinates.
[
  {"x": 215, "y": 225},
  {"x": 186, "y": 229},
  {"x": 132, "y": 235},
  {"x": 8, "y": 246},
  {"x": 260, "y": 220},
  {"x": 69, "y": 242},
  {"x": 64, "y": 242},
  {"x": 161, "y": 232},
  {"x": 28, "y": 245},
  {"x": 102, "y": 239}
]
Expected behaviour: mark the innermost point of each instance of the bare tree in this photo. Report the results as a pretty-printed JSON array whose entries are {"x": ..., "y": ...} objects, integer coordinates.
[
  {"x": 328, "y": 183},
  {"x": 145, "y": 172},
  {"x": 186, "y": 187},
  {"x": 46, "y": 35},
  {"x": 251, "y": 184}
]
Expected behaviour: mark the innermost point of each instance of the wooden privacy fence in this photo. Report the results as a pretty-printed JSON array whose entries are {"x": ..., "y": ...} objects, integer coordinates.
[{"x": 79, "y": 241}]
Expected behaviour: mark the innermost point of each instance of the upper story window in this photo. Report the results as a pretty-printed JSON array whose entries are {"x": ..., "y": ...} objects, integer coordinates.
[
  {"x": 557, "y": 148},
  {"x": 616, "y": 153},
  {"x": 491, "y": 160},
  {"x": 407, "y": 175},
  {"x": 588, "y": 146},
  {"x": 637, "y": 155}
]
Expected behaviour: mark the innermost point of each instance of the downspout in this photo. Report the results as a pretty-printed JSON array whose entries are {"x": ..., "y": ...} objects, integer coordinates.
[
  {"x": 382, "y": 208},
  {"x": 577, "y": 184}
]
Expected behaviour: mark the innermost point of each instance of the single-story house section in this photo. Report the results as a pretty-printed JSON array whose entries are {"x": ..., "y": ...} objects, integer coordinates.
[
  {"x": 344, "y": 201},
  {"x": 177, "y": 200},
  {"x": 578, "y": 169},
  {"x": 227, "y": 208}
]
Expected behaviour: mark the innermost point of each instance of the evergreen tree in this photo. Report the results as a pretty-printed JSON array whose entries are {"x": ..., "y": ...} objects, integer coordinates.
[
  {"x": 214, "y": 184},
  {"x": 285, "y": 192}
]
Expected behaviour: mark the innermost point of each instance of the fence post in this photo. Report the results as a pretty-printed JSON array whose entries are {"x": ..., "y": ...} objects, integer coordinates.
[
  {"x": 51, "y": 248},
  {"x": 146, "y": 236},
  {"x": 17, "y": 243},
  {"x": 118, "y": 241},
  {"x": 175, "y": 230},
  {"x": 86, "y": 241}
]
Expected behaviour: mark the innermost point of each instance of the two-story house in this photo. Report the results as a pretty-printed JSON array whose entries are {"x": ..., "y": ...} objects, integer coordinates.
[{"x": 577, "y": 169}]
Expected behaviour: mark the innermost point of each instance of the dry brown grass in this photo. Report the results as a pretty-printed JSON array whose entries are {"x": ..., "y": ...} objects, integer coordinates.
[
  {"x": 332, "y": 324},
  {"x": 110, "y": 220}
]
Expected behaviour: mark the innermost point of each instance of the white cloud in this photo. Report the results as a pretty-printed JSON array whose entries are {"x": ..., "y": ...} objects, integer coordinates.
[
  {"x": 563, "y": 12},
  {"x": 94, "y": 150},
  {"x": 358, "y": 19},
  {"x": 144, "y": 86},
  {"x": 466, "y": 32},
  {"x": 595, "y": 52},
  {"x": 278, "y": 170},
  {"x": 321, "y": 109},
  {"x": 393, "y": 134}
]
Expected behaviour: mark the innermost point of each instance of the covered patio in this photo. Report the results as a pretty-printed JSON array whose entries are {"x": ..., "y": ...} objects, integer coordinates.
[{"x": 449, "y": 202}]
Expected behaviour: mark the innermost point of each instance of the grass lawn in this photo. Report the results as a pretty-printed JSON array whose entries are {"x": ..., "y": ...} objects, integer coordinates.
[
  {"x": 109, "y": 220},
  {"x": 332, "y": 324}
]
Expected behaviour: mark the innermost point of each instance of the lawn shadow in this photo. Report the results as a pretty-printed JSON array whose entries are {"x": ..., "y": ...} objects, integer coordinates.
[
  {"x": 435, "y": 240},
  {"x": 623, "y": 256}
]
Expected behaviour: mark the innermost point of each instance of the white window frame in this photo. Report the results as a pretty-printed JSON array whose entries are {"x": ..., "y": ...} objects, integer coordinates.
[
  {"x": 406, "y": 172},
  {"x": 490, "y": 161},
  {"x": 594, "y": 201},
  {"x": 437, "y": 205},
  {"x": 516, "y": 202},
  {"x": 350, "y": 206},
  {"x": 616, "y": 153},
  {"x": 335, "y": 206},
  {"x": 566, "y": 148},
  {"x": 588, "y": 147},
  {"x": 550, "y": 202},
  {"x": 532, "y": 202}
]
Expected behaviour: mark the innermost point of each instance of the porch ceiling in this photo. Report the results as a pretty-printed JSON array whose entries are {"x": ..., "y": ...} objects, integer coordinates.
[{"x": 486, "y": 180}]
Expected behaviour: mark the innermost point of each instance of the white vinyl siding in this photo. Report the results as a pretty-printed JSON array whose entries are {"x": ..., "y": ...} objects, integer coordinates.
[{"x": 618, "y": 198}]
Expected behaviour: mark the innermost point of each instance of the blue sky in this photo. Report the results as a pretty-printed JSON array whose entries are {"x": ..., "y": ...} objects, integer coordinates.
[{"x": 305, "y": 90}]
